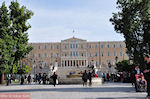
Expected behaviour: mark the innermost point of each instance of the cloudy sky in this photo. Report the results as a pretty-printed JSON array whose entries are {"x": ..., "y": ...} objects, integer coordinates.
[{"x": 55, "y": 20}]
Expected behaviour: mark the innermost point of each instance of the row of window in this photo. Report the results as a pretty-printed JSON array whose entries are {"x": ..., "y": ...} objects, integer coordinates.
[
  {"x": 76, "y": 46},
  {"x": 109, "y": 54},
  {"x": 51, "y": 47},
  {"x": 75, "y": 53},
  {"x": 45, "y": 55}
]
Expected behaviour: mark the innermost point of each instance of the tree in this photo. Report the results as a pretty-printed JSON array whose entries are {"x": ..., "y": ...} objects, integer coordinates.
[
  {"x": 19, "y": 17},
  {"x": 124, "y": 66},
  {"x": 13, "y": 36},
  {"x": 133, "y": 21},
  {"x": 24, "y": 70}
]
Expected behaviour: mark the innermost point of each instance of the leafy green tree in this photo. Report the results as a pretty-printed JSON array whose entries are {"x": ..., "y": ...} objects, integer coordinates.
[
  {"x": 13, "y": 36},
  {"x": 133, "y": 21},
  {"x": 24, "y": 70},
  {"x": 19, "y": 27},
  {"x": 124, "y": 66}
]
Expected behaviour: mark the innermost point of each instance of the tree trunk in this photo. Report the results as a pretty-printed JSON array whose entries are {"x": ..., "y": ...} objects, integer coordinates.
[{"x": 2, "y": 79}]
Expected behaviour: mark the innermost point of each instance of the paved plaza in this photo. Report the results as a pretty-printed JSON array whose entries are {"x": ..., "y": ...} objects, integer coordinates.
[{"x": 105, "y": 91}]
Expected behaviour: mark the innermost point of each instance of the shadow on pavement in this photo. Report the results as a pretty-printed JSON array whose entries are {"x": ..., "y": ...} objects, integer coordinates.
[{"x": 105, "y": 89}]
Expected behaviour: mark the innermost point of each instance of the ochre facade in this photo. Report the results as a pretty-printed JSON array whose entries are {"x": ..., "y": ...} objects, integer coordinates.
[{"x": 76, "y": 52}]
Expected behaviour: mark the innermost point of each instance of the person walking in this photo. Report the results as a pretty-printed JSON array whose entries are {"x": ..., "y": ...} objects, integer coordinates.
[
  {"x": 39, "y": 78},
  {"x": 54, "y": 77},
  {"x": 22, "y": 80},
  {"x": 84, "y": 78},
  {"x": 90, "y": 78},
  {"x": 29, "y": 79},
  {"x": 147, "y": 75}
]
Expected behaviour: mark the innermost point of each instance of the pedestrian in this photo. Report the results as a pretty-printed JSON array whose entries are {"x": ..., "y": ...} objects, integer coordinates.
[
  {"x": 147, "y": 74},
  {"x": 36, "y": 78},
  {"x": 39, "y": 78},
  {"x": 22, "y": 80},
  {"x": 90, "y": 78},
  {"x": 84, "y": 78},
  {"x": 25, "y": 79},
  {"x": 54, "y": 77},
  {"x": 44, "y": 78},
  {"x": 29, "y": 79}
]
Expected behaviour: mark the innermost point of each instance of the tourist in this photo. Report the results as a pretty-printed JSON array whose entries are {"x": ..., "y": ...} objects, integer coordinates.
[
  {"x": 29, "y": 79},
  {"x": 147, "y": 74},
  {"x": 84, "y": 78},
  {"x": 44, "y": 78},
  {"x": 36, "y": 78},
  {"x": 39, "y": 78},
  {"x": 22, "y": 80},
  {"x": 90, "y": 78},
  {"x": 25, "y": 79},
  {"x": 54, "y": 77}
]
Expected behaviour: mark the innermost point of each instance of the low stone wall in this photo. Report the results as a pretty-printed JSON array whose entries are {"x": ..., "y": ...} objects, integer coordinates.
[{"x": 95, "y": 81}]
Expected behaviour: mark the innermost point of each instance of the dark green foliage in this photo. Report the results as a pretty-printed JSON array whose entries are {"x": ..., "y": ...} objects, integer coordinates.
[
  {"x": 24, "y": 70},
  {"x": 13, "y": 36},
  {"x": 133, "y": 21},
  {"x": 124, "y": 66}
]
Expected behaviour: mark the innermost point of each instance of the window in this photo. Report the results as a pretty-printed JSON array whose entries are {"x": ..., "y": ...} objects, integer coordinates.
[
  {"x": 102, "y": 46},
  {"x": 70, "y": 53},
  {"x": 95, "y": 45},
  {"x": 82, "y": 54},
  {"x": 102, "y": 54},
  {"x": 51, "y": 47},
  {"x": 108, "y": 53},
  {"x": 90, "y": 46},
  {"x": 70, "y": 45},
  {"x": 76, "y": 53},
  {"x": 65, "y": 54},
  {"x": 39, "y": 47},
  {"x": 39, "y": 55},
  {"x": 120, "y": 46},
  {"x": 57, "y": 55},
  {"x": 76, "y": 45},
  {"x": 120, "y": 53},
  {"x": 51, "y": 54},
  {"x": 96, "y": 54},
  {"x": 65, "y": 46},
  {"x": 57, "y": 46},
  {"x": 82, "y": 46},
  {"x": 90, "y": 54},
  {"x": 108, "y": 46},
  {"x": 114, "y": 46},
  {"x": 114, "y": 53},
  {"x": 73, "y": 45},
  {"x": 45, "y": 55},
  {"x": 45, "y": 46}
]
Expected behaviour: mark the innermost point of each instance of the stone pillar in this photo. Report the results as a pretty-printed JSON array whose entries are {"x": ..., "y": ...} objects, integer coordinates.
[
  {"x": 64, "y": 63},
  {"x": 67, "y": 62}
]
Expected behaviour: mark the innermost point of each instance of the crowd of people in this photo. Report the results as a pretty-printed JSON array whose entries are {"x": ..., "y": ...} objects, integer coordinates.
[{"x": 39, "y": 79}]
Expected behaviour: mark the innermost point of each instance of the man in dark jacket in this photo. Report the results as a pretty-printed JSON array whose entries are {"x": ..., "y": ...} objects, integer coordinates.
[
  {"x": 54, "y": 77},
  {"x": 84, "y": 78},
  {"x": 90, "y": 78},
  {"x": 147, "y": 75}
]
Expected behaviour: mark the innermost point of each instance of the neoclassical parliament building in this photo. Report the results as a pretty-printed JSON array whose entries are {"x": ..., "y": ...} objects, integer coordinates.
[{"x": 75, "y": 52}]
